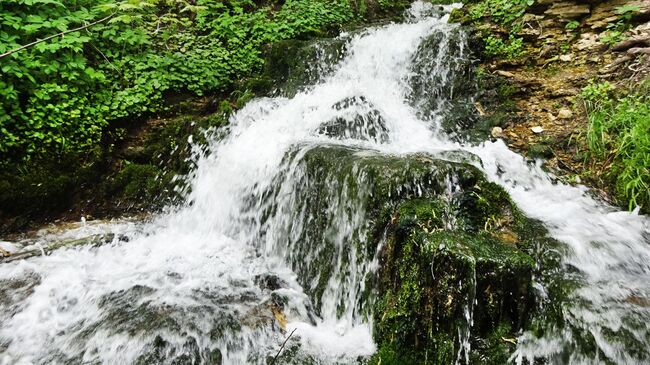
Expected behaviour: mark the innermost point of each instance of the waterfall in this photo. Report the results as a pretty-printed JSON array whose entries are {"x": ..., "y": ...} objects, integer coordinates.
[{"x": 275, "y": 232}]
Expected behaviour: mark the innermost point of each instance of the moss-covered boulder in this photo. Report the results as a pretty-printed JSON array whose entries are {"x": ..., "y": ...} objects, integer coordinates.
[
  {"x": 293, "y": 64},
  {"x": 454, "y": 272},
  {"x": 444, "y": 289}
]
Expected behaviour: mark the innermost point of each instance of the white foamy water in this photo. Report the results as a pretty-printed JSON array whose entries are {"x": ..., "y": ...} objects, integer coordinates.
[{"x": 186, "y": 285}]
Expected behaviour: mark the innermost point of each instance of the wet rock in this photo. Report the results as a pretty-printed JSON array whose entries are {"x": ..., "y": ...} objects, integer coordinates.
[
  {"x": 363, "y": 126},
  {"x": 216, "y": 358},
  {"x": 162, "y": 351},
  {"x": 374, "y": 183},
  {"x": 437, "y": 280},
  {"x": 269, "y": 282},
  {"x": 450, "y": 237},
  {"x": 292, "y": 64}
]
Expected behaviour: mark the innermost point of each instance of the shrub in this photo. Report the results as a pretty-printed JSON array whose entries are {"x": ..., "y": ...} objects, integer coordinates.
[{"x": 59, "y": 96}]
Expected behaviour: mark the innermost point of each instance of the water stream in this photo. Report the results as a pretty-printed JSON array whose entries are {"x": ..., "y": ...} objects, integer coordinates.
[{"x": 226, "y": 276}]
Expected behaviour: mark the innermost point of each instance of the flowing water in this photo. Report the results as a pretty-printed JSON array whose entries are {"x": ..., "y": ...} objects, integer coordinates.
[{"x": 225, "y": 277}]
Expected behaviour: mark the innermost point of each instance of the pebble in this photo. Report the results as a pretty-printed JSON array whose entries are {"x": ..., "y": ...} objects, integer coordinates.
[
  {"x": 565, "y": 114},
  {"x": 497, "y": 132},
  {"x": 537, "y": 129}
]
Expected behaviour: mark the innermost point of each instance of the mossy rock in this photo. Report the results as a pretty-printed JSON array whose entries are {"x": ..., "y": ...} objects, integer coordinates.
[
  {"x": 371, "y": 183},
  {"x": 293, "y": 64},
  {"x": 447, "y": 247},
  {"x": 540, "y": 150},
  {"x": 38, "y": 189},
  {"x": 433, "y": 275},
  {"x": 137, "y": 182}
]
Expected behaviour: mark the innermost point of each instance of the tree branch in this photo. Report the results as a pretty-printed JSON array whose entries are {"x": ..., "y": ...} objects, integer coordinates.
[
  {"x": 282, "y": 347},
  {"x": 56, "y": 35}
]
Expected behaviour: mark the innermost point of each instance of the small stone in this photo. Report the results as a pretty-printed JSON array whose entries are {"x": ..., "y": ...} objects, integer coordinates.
[
  {"x": 497, "y": 132},
  {"x": 566, "y": 58},
  {"x": 479, "y": 109},
  {"x": 505, "y": 74},
  {"x": 565, "y": 114},
  {"x": 537, "y": 129}
]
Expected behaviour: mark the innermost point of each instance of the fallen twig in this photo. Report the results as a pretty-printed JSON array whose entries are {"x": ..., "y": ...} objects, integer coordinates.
[
  {"x": 94, "y": 240},
  {"x": 282, "y": 347}
]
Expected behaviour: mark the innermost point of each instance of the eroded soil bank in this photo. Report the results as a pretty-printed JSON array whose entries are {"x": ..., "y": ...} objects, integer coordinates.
[{"x": 536, "y": 61}]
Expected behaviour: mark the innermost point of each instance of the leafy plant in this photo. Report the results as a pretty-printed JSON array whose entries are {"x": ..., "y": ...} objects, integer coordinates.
[
  {"x": 574, "y": 24},
  {"x": 615, "y": 32},
  {"x": 618, "y": 131},
  {"x": 59, "y": 96},
  {"x": 504, "y": 12},
  {"x": 511, "y": 49}
]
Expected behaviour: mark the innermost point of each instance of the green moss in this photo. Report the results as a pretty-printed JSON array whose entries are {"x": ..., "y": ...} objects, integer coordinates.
[
  {"x": 441, "y": 352},
  {"x": 137, "y": 182},
  {"x": 432, "y": 272},
  {"x": 29, "y": 191},
  {"x": 293, "y": 64},
  {"x": 540, "y": 150},
  {"x": 495, "y": 348}
]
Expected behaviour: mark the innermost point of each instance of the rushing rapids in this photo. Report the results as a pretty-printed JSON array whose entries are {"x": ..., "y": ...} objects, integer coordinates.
[{"x": 274, "y": 237}]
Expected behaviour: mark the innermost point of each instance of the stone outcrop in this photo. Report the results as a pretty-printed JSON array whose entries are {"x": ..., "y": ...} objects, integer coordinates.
[
  {"x": 567, "y": 45},
  {"x": 454, "y": 252}
]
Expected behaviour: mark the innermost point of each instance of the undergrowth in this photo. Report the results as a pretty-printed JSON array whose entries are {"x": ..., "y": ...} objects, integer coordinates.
[
  {"x": 507, "y": 14},
  {"x": 58, "y": 97},
  {"x": 618, "y": 133}
]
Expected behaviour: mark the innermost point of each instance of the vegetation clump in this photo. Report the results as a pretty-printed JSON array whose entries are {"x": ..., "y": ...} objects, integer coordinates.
[
  {"x": 81, "y": 79},
  {"x": 507, "y": 15},
  {"x": 60, "y": 95},
  {"x": 618, "y": 134},
  {"x": 446, "y": 285}
]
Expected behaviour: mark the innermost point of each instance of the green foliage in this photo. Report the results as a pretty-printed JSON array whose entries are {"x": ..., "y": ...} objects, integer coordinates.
[
  {"x": 619, "y": 131},
  {"x": 616, "y": 31},
  {"x": 504, "y": 12},
  {"x": 137, "y": 181},
  {"x": 59, "y": 96},
  {"x": 508, "y": 14},
  {"x": 510, "y": 49},
  {"x": 574, "y": 24}
]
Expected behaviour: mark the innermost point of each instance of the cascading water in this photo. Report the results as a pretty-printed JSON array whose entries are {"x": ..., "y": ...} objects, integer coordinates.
[{"x": 268, "y": 243}]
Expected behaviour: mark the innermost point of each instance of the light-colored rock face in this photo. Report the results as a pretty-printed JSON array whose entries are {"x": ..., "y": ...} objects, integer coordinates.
[
  {"x": 588, "y": 41},
  {"x": 568, "y": 9},
  {"x": 565, "y": 114},
  {"x": 605, "y": 12}
]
